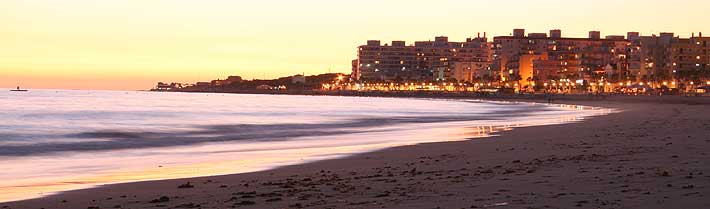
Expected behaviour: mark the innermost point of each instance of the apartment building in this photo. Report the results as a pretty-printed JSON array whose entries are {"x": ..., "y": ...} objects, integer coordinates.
[
  {"x": 556, "y": 57},
  {"x": 690, "y": 58},
  {"x": 423, "y": 61},
  {"x": 522, "y": 60}
]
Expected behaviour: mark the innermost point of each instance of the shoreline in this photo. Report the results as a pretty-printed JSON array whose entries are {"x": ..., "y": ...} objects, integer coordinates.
[
  {"x": 468, "y": 132},
  {"x": 540, "y": 98},
  {"x": 376, "y": 179}
]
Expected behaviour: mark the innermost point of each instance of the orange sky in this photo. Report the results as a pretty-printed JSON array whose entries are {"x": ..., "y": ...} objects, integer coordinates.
[{"x": 132, "y": 44}]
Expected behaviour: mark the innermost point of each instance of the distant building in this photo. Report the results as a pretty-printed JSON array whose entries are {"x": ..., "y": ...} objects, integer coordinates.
[
  {"x": 230, "y": 80},
  {"x": 424, "y": 61},
  {"x": 527, "y": 59},
  {"x": 656, "y": 63},
  {"x": 690, "y": 58},
  {"x": 526, "y": 70},
  {"x": 633, "y": 36},
  {"x": 633, "y": 56},
  {"x": 218, "y": 82},
  {"x": 472, "y": 71},
  {"x": 298, "y": 79},
  {"x": 264, "y": 87},
  {"x": 355, "y": 71},
  {"x": 168, "y": 87},
  {"x": 234, "y": 79},
  {"x": 558, "y": 57},
  {"x": 556, "y": 33},
  {"x": 595, "y": 35}
]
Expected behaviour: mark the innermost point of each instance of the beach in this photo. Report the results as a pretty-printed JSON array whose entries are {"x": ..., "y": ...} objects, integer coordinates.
[{"x": 647, "y": 155}]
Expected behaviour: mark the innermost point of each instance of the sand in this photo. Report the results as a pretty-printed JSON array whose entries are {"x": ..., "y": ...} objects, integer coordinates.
[{"x": 649, "y": 155}]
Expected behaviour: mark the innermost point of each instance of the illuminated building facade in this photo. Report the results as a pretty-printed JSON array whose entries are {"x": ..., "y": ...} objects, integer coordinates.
[
  {"x": 690, "y": 59},
  {"x": 655, "y": 57},
  {"x": 424, "y": 61},
  {"x": 528, "y": 61},
  {"x": 558, "y": 58}
]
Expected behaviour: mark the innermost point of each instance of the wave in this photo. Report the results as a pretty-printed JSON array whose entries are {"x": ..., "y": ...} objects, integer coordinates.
[{"x": 105, "y": 140}]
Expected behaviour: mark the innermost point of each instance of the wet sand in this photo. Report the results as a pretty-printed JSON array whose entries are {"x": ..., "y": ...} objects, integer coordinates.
[{"x": 649, "y": 155}]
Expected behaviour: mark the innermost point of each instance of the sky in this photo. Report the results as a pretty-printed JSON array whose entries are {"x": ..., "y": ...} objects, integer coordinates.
[{"x": 133, "y": 44}]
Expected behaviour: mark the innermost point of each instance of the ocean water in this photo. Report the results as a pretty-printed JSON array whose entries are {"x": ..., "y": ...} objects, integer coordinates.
[{"x": 59, "y": 140}]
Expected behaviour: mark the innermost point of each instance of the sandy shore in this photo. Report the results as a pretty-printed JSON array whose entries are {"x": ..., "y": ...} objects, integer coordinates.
[{"x": 650, "y": 155}]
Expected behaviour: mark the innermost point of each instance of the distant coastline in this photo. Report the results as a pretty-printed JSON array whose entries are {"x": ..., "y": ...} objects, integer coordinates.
[{"x": 543, "y": 98}]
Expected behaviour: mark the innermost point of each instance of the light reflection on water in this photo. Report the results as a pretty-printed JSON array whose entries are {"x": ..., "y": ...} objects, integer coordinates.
[{"x": 62, "y": 140}]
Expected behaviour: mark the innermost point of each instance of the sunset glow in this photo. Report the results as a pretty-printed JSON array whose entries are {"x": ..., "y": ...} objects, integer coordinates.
[{"x": 132, "y": 44}]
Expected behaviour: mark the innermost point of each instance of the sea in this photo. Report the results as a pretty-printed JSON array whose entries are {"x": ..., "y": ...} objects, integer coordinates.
[{"x": 60, "y": 140}]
